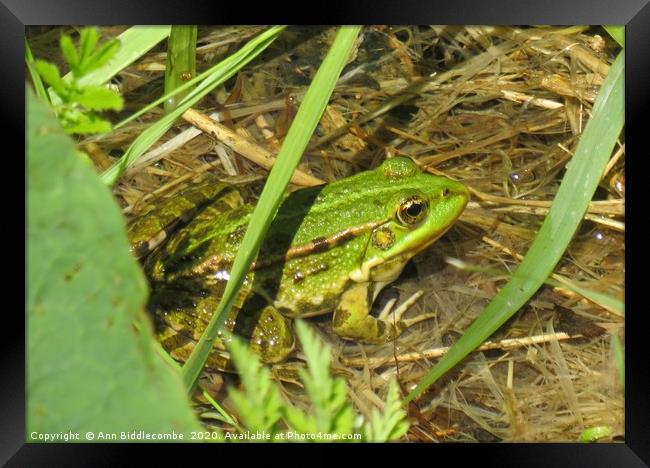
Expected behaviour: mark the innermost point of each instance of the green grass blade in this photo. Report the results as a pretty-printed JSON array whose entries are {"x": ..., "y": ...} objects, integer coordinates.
[
  {"x": 181, "y": 62},
  {"x": 39, "y": 87},
  {"x": 619, "y": 359},
  {"x": 611, "y": 303},
  {"x": 300, "y": 132},
  {"x": 617, "y": 33},
  {"x": 219, "y": 74},
  {"x": 576, "y": 190}
]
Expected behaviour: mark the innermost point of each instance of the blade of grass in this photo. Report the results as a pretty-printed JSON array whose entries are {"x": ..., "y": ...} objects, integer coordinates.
[
  {"x": 220, "y": 73},
  {"x": 177, "y": 367},
  {"x": 570, "y": 204},
  {"x": 300, "y": 132},
  {"x": 39, "y": 87},
  {"x": 181, "y": 62},
  {"x": 619, "y": 359},
  {"x": 613, "y": 304},
  {"x": 604, "y": 300},
  {"x": 617, "y": 33}
]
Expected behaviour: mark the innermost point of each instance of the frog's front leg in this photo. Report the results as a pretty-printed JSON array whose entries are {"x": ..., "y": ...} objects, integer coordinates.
[{"x": 352, "y": 319}]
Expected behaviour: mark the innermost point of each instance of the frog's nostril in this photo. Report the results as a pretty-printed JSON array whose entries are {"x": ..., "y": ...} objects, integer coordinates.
[{"x": 445, "y": 192}]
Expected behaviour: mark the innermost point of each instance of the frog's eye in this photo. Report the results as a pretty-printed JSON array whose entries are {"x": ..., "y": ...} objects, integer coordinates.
[{"x": 412, "y": 211}]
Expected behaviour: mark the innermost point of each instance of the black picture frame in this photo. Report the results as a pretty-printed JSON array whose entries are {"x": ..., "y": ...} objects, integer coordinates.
[{"x": 635, "y": 14}]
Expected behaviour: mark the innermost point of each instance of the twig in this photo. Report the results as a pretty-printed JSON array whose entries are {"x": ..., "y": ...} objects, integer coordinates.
[
  {"x": 246, "y": 148},
  {"x": 506, "y": 344}
]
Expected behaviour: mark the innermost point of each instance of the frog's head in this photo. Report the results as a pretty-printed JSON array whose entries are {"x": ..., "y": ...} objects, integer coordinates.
[{"x": 418, "y": 209}]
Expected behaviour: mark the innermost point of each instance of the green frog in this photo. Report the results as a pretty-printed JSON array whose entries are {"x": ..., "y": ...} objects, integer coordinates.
[{"x": 330, "y": 249}]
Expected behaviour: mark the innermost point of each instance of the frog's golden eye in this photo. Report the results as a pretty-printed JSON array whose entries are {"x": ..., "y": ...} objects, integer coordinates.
[{"x": 412, "y": 211}]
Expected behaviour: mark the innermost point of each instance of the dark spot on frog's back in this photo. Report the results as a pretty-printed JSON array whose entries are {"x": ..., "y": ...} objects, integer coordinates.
[
  {"x": 235, "y": 236},
  {"x": 235, "y": 213},
  {"x": 221, "y": 206},
  {"x": 341, "y": 316},
  {"x": 140, "y": 249}
]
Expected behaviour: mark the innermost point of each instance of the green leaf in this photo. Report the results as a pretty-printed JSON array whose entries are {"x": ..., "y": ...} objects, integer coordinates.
[
  {"x": 92, "y": 363},
  {"x": 391, "y": 424},
  {"x": 102, "y": 55},
  {"x": 85, "y": 123},
  {"x": 99, "y": 98},
  {"x": 50, "y": 73},
  {"x": 69, "y": 52},
  {"x": 259, "y": 403},
  {"x": 331, "y": 412},
  {"x": 301, "y": 130},
  {"x": 87, "y": 42},
  {"x": 181, "y": 59},
  {"x": 576, "y": 190}
]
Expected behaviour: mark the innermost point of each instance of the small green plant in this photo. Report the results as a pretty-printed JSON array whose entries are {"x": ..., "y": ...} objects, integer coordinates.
[
  {"x": 331, "y": 416},
  {"x": 79, "y": 104}
]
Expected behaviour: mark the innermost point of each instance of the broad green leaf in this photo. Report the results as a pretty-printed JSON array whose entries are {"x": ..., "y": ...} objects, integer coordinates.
[
  {"x": 92, "y": 363},
  {"x": 576, "y": 190},
  {"x": 99, "y": 98}
]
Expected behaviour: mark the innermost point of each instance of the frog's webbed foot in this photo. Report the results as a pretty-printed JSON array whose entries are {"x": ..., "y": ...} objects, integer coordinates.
[{"x": 352, "y": 319}]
